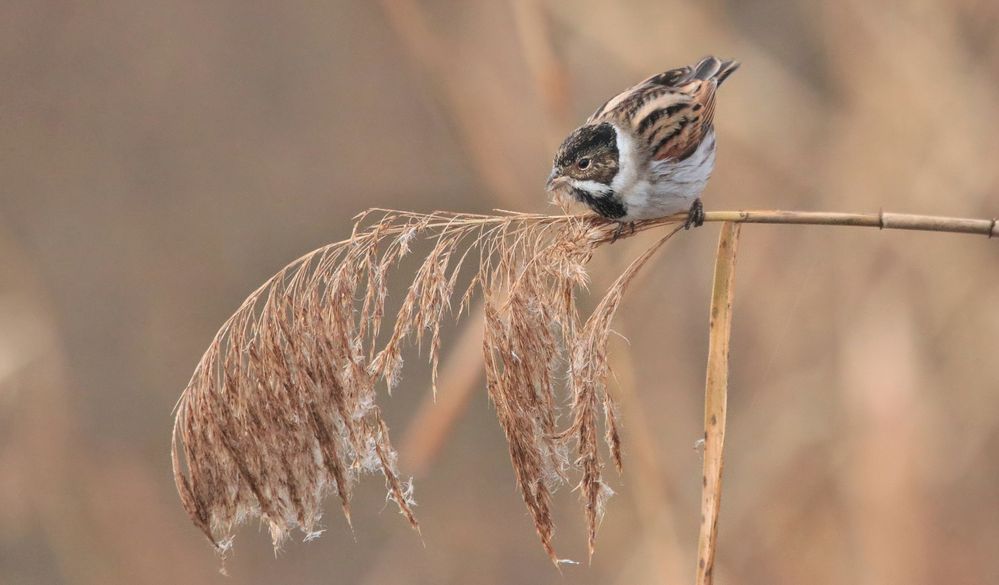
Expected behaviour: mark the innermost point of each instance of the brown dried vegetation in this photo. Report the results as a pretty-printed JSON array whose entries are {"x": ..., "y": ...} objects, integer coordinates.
[{"x": 282, "y": 409}]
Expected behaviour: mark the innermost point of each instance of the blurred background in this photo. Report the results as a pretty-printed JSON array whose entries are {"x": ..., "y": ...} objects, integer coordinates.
[{"x": 160, "y": 160}]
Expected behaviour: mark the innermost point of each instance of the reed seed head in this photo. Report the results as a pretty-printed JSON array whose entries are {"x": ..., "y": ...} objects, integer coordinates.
[{"x": 282, "y": 409}]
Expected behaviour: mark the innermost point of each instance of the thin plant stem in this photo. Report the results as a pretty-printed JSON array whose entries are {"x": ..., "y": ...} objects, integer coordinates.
[{"x": 881, "y": 220}]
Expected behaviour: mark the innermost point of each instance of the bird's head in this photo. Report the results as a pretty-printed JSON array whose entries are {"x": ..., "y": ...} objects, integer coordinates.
[{"x": 586, "y": 163}]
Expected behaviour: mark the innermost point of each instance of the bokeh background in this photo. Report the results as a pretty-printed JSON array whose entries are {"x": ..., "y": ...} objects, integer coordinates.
[{"x": 158, "y": 160}]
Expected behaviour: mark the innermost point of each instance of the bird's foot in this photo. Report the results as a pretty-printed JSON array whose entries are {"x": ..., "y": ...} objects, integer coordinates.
[
  {"x": 695, "y": 217},
  {"x": 623, "y": 227}
]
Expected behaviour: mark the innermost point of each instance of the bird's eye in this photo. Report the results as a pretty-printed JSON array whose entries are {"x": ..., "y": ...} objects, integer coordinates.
[{"x": 583, "y": 163}]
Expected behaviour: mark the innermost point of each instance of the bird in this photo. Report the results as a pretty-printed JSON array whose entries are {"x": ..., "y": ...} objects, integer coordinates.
[{"x": 649, "y": 151}]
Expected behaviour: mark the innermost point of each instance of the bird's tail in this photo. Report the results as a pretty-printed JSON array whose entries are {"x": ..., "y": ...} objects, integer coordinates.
[{"x": 714, "y": 68}]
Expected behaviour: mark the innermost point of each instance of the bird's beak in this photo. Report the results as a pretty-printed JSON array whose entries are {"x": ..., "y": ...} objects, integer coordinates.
[{"x": 553, "y": 181}]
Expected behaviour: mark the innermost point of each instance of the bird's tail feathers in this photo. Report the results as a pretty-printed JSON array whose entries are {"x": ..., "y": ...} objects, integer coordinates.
[{"x": 714, "y": 68}]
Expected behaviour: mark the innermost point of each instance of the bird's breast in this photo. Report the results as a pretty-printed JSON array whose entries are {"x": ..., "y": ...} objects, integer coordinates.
[{"x": 666, "y": 187}]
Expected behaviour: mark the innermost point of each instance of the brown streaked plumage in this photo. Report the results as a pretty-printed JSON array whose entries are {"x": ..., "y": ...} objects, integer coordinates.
[
  {"x": 670, "y": 111},
  {"x": 661, "y": 153}
]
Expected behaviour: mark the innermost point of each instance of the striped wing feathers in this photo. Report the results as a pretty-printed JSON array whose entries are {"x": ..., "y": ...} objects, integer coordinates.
[
  {"x": 677, "y": 133},
  {"x": 670, "y": 121},
  {"x": 670, "y": 112},
  {"x": 628, "y": 101}
]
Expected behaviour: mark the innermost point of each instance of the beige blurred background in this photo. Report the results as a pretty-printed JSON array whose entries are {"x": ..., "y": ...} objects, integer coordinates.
[{"x": 159, "y": 160}]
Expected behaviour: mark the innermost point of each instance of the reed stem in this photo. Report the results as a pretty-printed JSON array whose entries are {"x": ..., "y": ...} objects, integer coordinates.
[{"x": 881, "y": 220}]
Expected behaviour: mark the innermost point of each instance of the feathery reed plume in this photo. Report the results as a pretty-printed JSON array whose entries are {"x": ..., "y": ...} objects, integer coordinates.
[{"x": 281, "y": 410}]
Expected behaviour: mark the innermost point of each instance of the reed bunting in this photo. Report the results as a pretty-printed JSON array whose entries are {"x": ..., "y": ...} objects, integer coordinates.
[{"x": 649, "y": 151}]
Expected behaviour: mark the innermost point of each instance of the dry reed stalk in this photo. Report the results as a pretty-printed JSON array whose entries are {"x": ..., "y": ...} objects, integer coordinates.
[
  {"x": 716, "y": 398},
  {"x": 881, "y": 220}
]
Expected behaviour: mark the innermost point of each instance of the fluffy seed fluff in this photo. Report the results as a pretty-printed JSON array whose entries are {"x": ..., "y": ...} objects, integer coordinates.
[{"x": 281, "y": 410}]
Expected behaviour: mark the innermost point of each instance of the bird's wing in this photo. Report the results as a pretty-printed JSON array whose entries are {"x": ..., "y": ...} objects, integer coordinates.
[{"x": 671, "y": 112}]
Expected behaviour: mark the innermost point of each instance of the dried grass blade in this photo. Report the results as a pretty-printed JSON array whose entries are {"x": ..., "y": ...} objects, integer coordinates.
[{"x": 715, "y": 398}]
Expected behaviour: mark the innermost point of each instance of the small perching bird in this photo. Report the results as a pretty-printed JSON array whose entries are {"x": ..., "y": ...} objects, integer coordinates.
[{"x": 649, "y": 151}]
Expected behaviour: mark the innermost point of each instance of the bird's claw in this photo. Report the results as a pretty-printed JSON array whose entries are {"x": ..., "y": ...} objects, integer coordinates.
[
  {"x": 621, "y": 228},
  {"x": 695, "y": 217}
]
